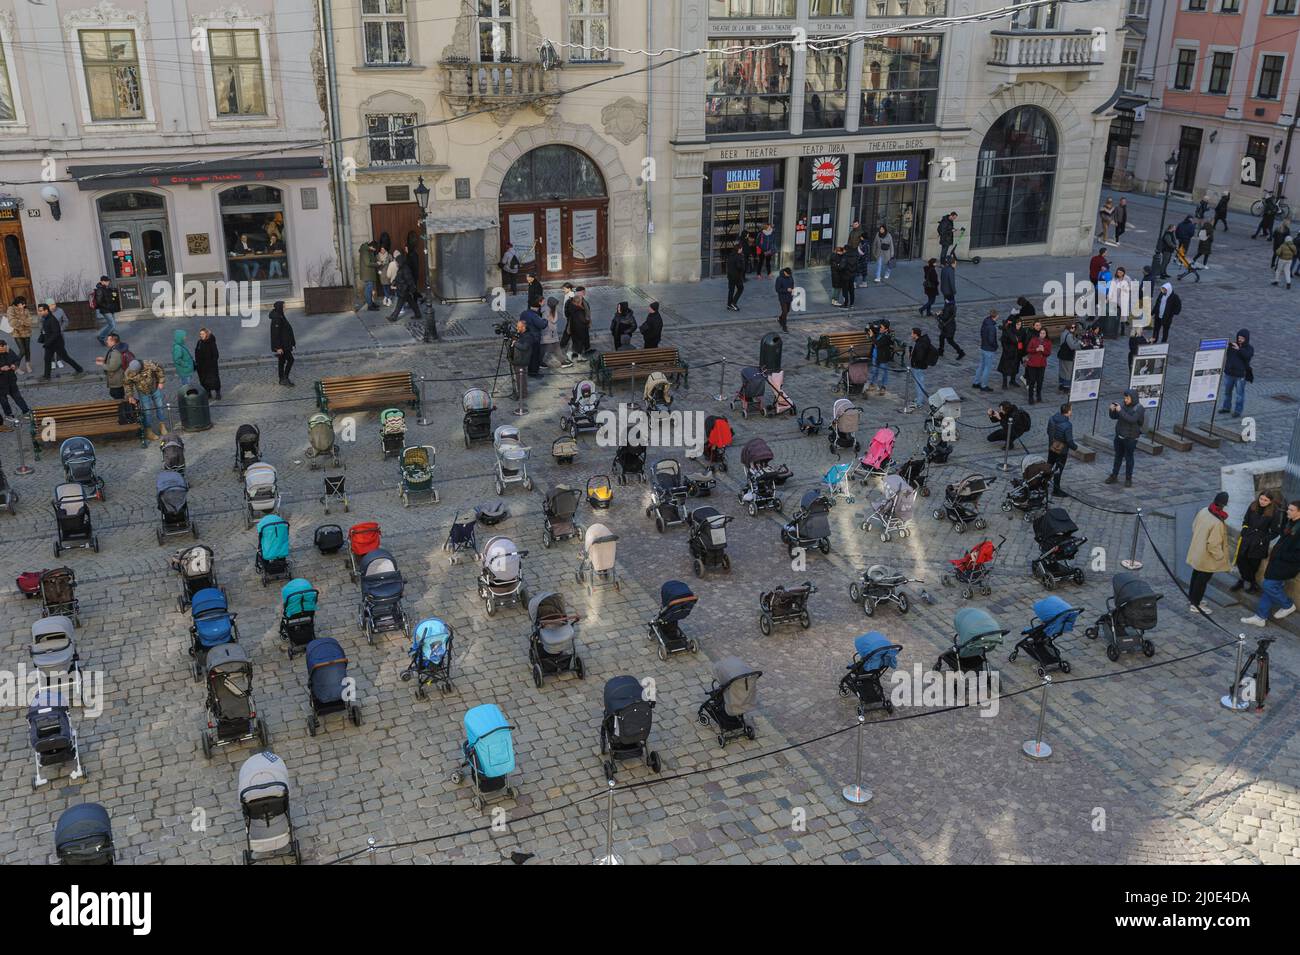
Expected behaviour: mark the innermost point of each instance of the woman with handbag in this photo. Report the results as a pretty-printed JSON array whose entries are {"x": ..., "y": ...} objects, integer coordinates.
[{"x": 1259, "y": 525}]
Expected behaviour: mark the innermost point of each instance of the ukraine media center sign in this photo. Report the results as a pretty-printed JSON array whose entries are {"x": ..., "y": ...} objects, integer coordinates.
[
  {"x": 904, "y": 169},
  {"x": 744, "y": 179}
]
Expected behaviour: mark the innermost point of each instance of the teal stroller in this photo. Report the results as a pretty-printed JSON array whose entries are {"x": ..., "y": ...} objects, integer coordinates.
[
  {"x": 298, "y": 615},
  {"x": 977, "y": 634},
  {"x": 272, "y": 560},
  {"x": 430, "y": 655},
  {"x": 488, "y": 755}
]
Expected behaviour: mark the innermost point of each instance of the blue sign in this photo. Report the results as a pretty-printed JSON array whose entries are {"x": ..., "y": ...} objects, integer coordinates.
[
  {"x": 744, "y": 179},
  {"x": 892, "y": 169}
]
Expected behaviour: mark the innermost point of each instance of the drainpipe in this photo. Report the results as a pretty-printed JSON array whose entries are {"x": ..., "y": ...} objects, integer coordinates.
[
  {"x": 650, "y": 145},
  {"x": 342, "y": 211}
]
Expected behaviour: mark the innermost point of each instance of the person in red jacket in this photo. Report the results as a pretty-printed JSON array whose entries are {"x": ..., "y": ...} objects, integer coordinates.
[{"x": 1037, "y": 350}]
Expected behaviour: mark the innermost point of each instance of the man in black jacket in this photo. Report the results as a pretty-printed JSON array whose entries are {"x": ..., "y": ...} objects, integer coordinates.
[
  {"x": 107, "y": 304},
  {"x": 1163, "y": 312},
  {"x": 652, "y": 329},
  {"x": 283, "y": 342},
  {"x": 1283, "y": 566},
  {"x": 52, "y": 338},
  {"x": 945, "y": 230},
  {"x": 535, "y": 292},
  {"x": 1060, "y": 442},
  {"x": 1166, "y": 246},
  {"x": 405, "y": 291},
  {"x": 948, "y": 328},
  {"x": 735, "y": 277},
  {"x": 9, "y": 361},
  {"x": 923, "y": 356}
]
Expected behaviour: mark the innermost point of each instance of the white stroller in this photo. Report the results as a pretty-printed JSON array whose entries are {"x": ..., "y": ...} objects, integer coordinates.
[
  {"x": 501, "y": 576},
  {"x": 264, "y": 800},
  {"x": 893, "y": 512},
  {"x": 52, "y": 735},
  {"x": 512, "y": 458},
  {"x": 944, "y": 405},
  {"x": 599, "y": 549},
  {"x": 846, "y": 417},
  {"x": 54, "y": 655},
  {"x": 261, "y": 492}
]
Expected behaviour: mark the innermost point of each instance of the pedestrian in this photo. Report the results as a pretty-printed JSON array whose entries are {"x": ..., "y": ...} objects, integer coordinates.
[
  {"x": 283, "y": 341},
  {"x": 929, "y": 286},
  {"x": 9, "y": 362},
  {"x": 114, "y": 362},
  {"x": 1119, "y": 297},
  {"x": 622, "y": 326},
  {"x": 948, "y": 329},
  {"x": 848, "y": 276},
  {"x": 835, "y": 265},
  {"x": 1283, "y": 565},
  {"x": 1286, "y": 254},
  {"x": 1012, "y": 351},
  {"x": 509, "y": 264},
  {"x": 883, "y": 347},
  {"x": 1207, "y": 553},
  {"x": 19, "y": 320},
  {"x": 1065, "y": 349},
  {"x": 521, "y": 353},
  {"x": 535, "y": 292},
  {"x": 1280, "y": 232},
  {"x": 107, "y": 302},
  {"x": 207, "y": 363},
  {"x": 948, "y": 279},
  {"x": 551, "y": 353},
  {"x": 883, "y": 249},
  {"x": 923, "y": 357},
  {"x": 534, "y": 328},
  {"x": 1024, "y": 309},
  {"x": 988, "y": 351},
  {"x": 368, "y": 271},
  {"x": 856, "y": 233},
  {"x": 1037, "y": 351},
  {"x": 182, "y": 360},
  {"x": 63, "y": 321},
  {"x": 1010, "y": 424},
  {"x": 1265, "y": 227},
  {"x": 51, "y": 338},
  {"x": 1237, "y": 372},
  {"x": 1060, "y": 442},
  {"x": 1128, "y": 415},
  {"x": 1204, "y": 243},
  {"x": 945, "y": 230},
  {"x": 1221, "y": 212},
  {"x": 735, "y": 277},
  {"x": 385, "y": 269},
  {"x": 652, "y": 329},
  {"x": 1096, "y": 265},
  {"x": 1259, "y": 525},
  {"x": 784, "y": 296},
  {"x": 404, "y": 290},
  {"x": 1185, "y": 232},
  {"x": 144, "y": 388},
  {"x": 765, "y": 243},
  {"x": 1105, "y": 217},
  {"x": 1165, "y": 249},
  {"x": 1164, "y": 311},
  {"x": 863, "y": 248}
]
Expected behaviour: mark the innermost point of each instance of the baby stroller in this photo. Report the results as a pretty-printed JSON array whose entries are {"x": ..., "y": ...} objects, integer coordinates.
[
  {"x": 261, "y": 492},
  {"x": 552, "y": 647},
  {"x": 734, "y": 693},
  {"x": 600, "y": 492},
  {"x": 629, "y": 463},
  {"x": 232, "y": 714},
  {"x": 759, "y": 492},
  {"x": 893, "y": 512},
  {"x": 708, "y": 540},
  {"x": 564, "y": 449},
  {"x": 873, "y": 657},
  {"x": 501, "y": 576},
  {"x": 430, "y": 655},
  {"x": 196, "y": 567},
  {"x": 264, "y": 802},
  {"x": 77, "y": 455},
  {"x": 487, "y": 755},
  {"x": 58, "y": 590},
  {"x": 1028, "y": 493},
  {"x": 392, "y": 431},
  {"x": 173, "y": 453},
  {"x": 880, "y": 584},
  {"x": 559, "y": 512},
  {"x": 667, "y": 495},
  {"x": 320, "y": 440},
  {"x": 625, "y": 728},
  {"x": 835, "y": 483},
  {"x": 916, "y": 472},
  {"x": 512, "y": 458},
  {"x": 1053, "y": 618},
  {"x": 382, "y": 586},
  {"x": 879, "y": 459},
  {"x": 845, "y": 420},
  {"x": 658, "y": 392},
  {"x": 784, "y": 606},
  {"x": 477, "y": 420},
  {"x": 328, "y": 688},
  {"x": 211, "y": 625},
  {"x": 417, "y": 464},
  {"x": 8, "y": 496},
  {"x": 1130, "y": 612},
  {"x": 753, "y": 387},
  {"x": 597, "y": 565},
  {"x": 972, "y": 569},
  {"x": 779, "y": 403},
  {"x": 84, "y": 836},
  {"x": 52, "y": 735},
  {"x": 977, "y": 634},
  {"x": 461, "y": 537},
  {"x": 1058, "y": 544},
  {"x": 336, "y": 491},
  {"x": 943, "y": 405},
  {"x": 248, "y": 447},
  {"x": 54, "y": 655},
  {"x": 854, "y": 378},
  {"x": 700, "y": 484},
  {"x": 717, "y": 438},
  {"x": 584, "y": 406},
  {"x": 811, "y": 422},
  {"x": 173, "y": 506},
  {"x": 675, "y": 604},
  {"x": 362, "y": 539},
  {"x": 298, "y": 599},
  {"x": 72, "y": 519},
  {"x": 272, "y": 560},
  {"x": 961, "y": 503},
  {"x": 810, "y": 525}
]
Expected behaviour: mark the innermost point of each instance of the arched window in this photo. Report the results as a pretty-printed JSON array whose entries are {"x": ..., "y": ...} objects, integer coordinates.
[
  {"x": 1014, "y": 176},
  {"x": 551, "y": 173}
]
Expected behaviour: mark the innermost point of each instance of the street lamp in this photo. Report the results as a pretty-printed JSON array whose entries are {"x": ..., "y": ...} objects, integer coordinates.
[
  {"x": 422, "y": 196},
  {"x": 1171, "y": 168}
]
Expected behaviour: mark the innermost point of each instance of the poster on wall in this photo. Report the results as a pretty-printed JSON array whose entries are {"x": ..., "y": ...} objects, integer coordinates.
[
  {"x": 523, "y": 236},
  {"x": 827, "y": 172},
  {"x": 584, "y": 233},
  {"x": 1147, "y": 380},
  {"x": 1207, "y": 369},
  {"x": 1086, "y": 383},
  {"x": 554, "y": 246}
]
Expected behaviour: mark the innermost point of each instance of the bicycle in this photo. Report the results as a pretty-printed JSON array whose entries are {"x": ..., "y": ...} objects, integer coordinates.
[{"x": 1282, "y": 207}]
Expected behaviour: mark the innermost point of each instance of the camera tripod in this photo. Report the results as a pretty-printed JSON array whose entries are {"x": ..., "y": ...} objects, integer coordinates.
[{"x": 502, "y": 356}]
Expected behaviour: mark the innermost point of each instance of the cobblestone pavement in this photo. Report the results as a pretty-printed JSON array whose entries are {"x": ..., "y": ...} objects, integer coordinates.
[{"x": 1147, "y": 766}]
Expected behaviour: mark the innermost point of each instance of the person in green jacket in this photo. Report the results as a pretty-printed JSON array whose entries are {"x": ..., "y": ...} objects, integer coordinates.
[
  {"x": 182, "y": 360},
  {"x": 369, "y": 260}
]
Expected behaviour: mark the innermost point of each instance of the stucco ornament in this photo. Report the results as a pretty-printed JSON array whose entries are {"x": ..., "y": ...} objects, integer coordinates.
[{"x": 624, "y": 119}]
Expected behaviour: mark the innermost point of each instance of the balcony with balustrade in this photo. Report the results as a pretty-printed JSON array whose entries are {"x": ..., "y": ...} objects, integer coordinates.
[
  {"x": 1019, "y": 54},
  {"x": 502, "y": 88}
]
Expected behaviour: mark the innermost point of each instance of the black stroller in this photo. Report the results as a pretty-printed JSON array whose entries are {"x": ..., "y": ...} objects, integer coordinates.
[
  {"x": 72, "y": 519},
  {"x": 328, "y": 688},
  {"x": 668, "y": 492},
  {"x": 759, "y": 492},
  {"x": 675, "y": 604},
  {"x": 810, "y": 525},
  {"x": 173, "y": 453},
  {"x": 559, "y": 511},
  {"x": 708, "y": 540},
  {"x": 552, "y": 646},
  {"x": 753, "y": 385},
  {"x": 734, "y": 693},
  {"x": 916, "y": 472},
  {"x": 629, "y": 463},
  {"x": 461, "y": 537},
  {"x": 84, "y": 836},
  {"x": 873, "y": 657},
  {"x": 232, "y": 714},
  {"x": 1130, "y": 612},
  {"x": 77, "y": 456},
  {"x": 248, "y": 447},
  {"x": 1028, "y": 493},
  {"x": 784, "y": 605},
  {"x": 52, "y": 735},
  {"x": 625, "y": 728},
  {"x": 382, "y": 585},
  {"x": 961, "y": 502},
  {"x": 172, "y": 494},
  {"x": 1058, "y": 544},
  {"x": 477, "y": 422},
  {"x": 1053, "y": 619}
]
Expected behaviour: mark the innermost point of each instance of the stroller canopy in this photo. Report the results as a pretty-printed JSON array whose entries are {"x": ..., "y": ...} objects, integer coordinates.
[
  {"x": 320, "y": 433},
  {"x": 429, "y": 642},
  {"x": 488, "y": 734},
  {"x": 1053, "y": 523},
  {"x": 380, "y": 578},
  {"x": 667, "y": 474},
  {"x": 977, "y": 631},
  {"x": 82, "y": 823},
  {"x": 620, "y": 692},
  {"x": 1058, "y": 617},
  {"x": 1129, "y": 587},
  {"x": 416, "y": 458},
  {"x": 1033, "y": 464},
  {"x": 207, "y": 601},
  {"x": 755, "y": 452},
  {"x": 501, "y": 559},
  {"x": 273, "y": 537},
  {"x": 298, "y": 597},
  {"x": 363, "y": 538},
  {"x": 247, "y": 435},
  {"x": 718, "y": 431},
  {"x": 1135, "y": 601},
  {"x": 327, "y": 666},
  {"x": 752, "y": 383},
  {"x": 657, "y": 380},
  {"x": 195, "y": 561},
  {"x": 601, "y": 545},
  {"x": 172, "y": 485},
  {"x": 881, "y": 449},
  {"x": 262, "y": 775},
  {"x": 228, "y": 658},
  {"x": 582, "y": 390},
  {"x": 562, "y": 501},
  {"x": 259, "y": 476},
  {"x": 76, "y": 449},
  {"x": 549, "y": 616},
  {"x": 505, "y": 434},
  {"x": 739, "y": 684},
  {"x": 875, "y": 650},
  {"x": 676, "y": 601},
  {"x": 70, "y": 499},
  {"x": 812, "y": 502},
  {"x": 476, "y": 399}
]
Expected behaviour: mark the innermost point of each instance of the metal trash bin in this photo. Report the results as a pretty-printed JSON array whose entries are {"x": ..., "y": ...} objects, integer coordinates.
[
  {"x": 195, "y": 413},
  {"x": 769, "y": 352}
]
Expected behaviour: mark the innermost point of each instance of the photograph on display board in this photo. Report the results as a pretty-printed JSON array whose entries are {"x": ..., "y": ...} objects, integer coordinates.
[
  {"x": 1207, "y": 370},
  {"x": 1147, "y": 379},
  {"x": 1086, "y": 383}
]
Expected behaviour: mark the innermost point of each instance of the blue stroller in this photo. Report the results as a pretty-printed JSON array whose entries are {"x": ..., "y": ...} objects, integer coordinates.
[
  {"x": 835, "y": 483},
  {"x": 273, "y": 549},
  {"x": 675, "y": 604},
  {"x": 873, "y": 657},
  {"x": 328, "y": 688},
  {"x": 212, "y": 624},
  {"x": 430, "y": 656},
  {"x": 461, "y": 536},
  {"x": 1053, "y": 618},
  {"x": 298, "y": 615},
  {"x": 488, "y": 755}
]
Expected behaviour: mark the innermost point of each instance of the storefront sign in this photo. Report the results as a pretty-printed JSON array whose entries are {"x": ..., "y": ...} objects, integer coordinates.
[
  {"x": 198, "y": 243},
  {"x": 9, "y": 206},
  {"x": 584, "y": 233},
  {"x": 891, "y": 169},
  {"x": 191, "y": 173},
  {"x": 867, "y": 147},
  {"x": 744, "y": 179},
  {"x": 826, "y": 172},
  {"x": 1207, "y": 369}
]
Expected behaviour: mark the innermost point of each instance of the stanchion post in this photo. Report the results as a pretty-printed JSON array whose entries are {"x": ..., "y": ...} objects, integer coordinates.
[
  {"x": 23, "y": 467},
  {"x": 1037, "y": 748},
  {"x": 1006, "y": 450},
  {"x": 1232, "y": 700},
  {"x": 857, "y": 793},
  {"x": 424, "y": 415},
  {"x": 370, "y": 849},
  {"x": 609, "y": 858},
  {"x": 722, "y": 377},
  {"x": 1132, "y": 563}
]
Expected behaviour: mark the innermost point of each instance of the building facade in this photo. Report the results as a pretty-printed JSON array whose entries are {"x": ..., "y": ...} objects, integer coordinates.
[
  {"x": 1144, "y": 22},
  {"x": 899, "y": 128},
  {"x": 146, "y": 140}
]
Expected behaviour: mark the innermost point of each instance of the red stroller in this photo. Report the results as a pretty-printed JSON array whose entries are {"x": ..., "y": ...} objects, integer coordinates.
[
  {"x": 718, "y": 438},
  {"x": 973, "y": 569}
]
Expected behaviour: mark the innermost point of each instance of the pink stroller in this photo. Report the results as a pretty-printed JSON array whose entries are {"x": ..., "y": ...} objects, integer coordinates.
[
  {"x": 879, "y": 459},
  {"x": 780, "y": 402}
]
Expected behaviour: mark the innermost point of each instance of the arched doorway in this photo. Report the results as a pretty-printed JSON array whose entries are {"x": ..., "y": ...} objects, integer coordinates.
[
  {"x": 137, "y": 244},
  {"x": 1014, "y": 178},
  {"x": 554, "y": 207}
]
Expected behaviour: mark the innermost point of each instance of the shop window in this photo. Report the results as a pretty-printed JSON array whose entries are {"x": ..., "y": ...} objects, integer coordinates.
[
  {"x": 237, "y": 72},
  {"x": 8, "y": 111},
  {"x": 751, "y": 8},
  {"x": 252, "y": 222},
  {"x": 1014, "y": 178},
  {"x": 383, "y": 23},
  {"x": 112, "y": 70},
  {"x": 392, "y": 139},
  {"x": 588, "y": 31},
  {"x": 830, "y": 8},
  {"x": 826, "y": 85},
  {"x": 747, "y": 87},
  {"x": 900, "y": 80}
]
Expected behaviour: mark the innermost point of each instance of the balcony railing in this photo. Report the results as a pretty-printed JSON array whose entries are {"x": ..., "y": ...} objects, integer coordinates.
[
  {"x": 497, "y": 85},
  {"x": 1044, "y": 51}
]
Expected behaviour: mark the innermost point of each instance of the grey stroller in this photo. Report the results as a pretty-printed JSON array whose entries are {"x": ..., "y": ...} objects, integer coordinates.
[
  {"x": 264, "y": 800},
  {"x": 512, "y": 458},
  {"x": 552, "y": 647},
  {"x": 77, "y": 455},
  {"x": 893, "y": 513},
  {"x": 54, "y": 655},
  {"x": 232, "y": 714},
  {"x": 846, "y": 418},
  {"x": 734, "y": 693}
]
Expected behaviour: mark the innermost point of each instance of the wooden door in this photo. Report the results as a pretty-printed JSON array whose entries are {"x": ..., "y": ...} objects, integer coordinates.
[
  {"x": 559, "y": 240},
  {"x": 400, "y": 219},
  {"x": 15, "y": 272}
]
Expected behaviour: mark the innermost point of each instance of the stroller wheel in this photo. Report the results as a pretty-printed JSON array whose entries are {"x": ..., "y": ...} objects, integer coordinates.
[
  {"x": 1011, "y": 657},
  {"x": 604, "y": 743},
  {"x": 824, "y": 545},
  {"x": 777, "y": 505},
  {"x": 491, "y": 607},
  {"x": 986, "y": 590},
  {"x": 661, "y": 653},
  {"x": 765, "y": 624},
  {"x": 1148, "y": 648},
  {"x": 1091, "y": 633},
  {"x": 1006, "y": 507},
  {"x": 855, "y": 592},
  {"x": 477, "y": 803},
  {"x": 960, "y": 527},
  {"x": 420, "y": 693},
  {"x": 659, "y": 524},
  {"x": 579, "y": 669},
  {"x": 180, "y": 604},
  {"x": 457, "y": 777},
  {"x": 694, "y": 646},
  {"x": 159, "y": 534},
  {"x": 206, "y": 745},
  {"x": 753, "y": 511},
  {"x": 698, "y": 566},
  {"x": 889, "y": 707},
  {"x": 1112, "y": 652},
  {"x": 655, "y": 765},
  {"x": 750, "y": 733},
  {"x": 980, "y": 523},
  {"x": 354, "y": 714},
  {"x": 263, "y": 736},
  {"x": 904, "y": 604},
  {"x": 966, "y": 593},
  {"x": 1065, "y": 667},
  {"x": 726, "y": 562},
  {"x": 1029, "y": 518},
  {"x": 312, "y": 725},
  {"x": 884, "y": 538},
  {"x": 805, "y": 620},
  {"x": 546, "y": 539},
  {"x": 1049, "y": 582},
  {"x": 869, "y": 607},
  {"x": 501, "y": 488},
  {"x": 1040, "y": 671},
  {"x": 937, "y": 514},
  {"x": 1077, "y": 576},
  {"x": 722, "y": 741},
  {"x": 537, "y": 676}
]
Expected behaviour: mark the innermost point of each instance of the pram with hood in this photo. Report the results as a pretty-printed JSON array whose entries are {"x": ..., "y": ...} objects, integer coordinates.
[
  {"x": 668, "y": 493},
  {"x": 811, "y": 421},
  {"x": 759, "y": 492},
  {"x": 77, "y": 455},
  {"x": 625, "y": 726},
  {"x": 962, "y": 501},
  {"x": 477, "y": 420},
  {"x": 501, "y": 575},
  {"x": 430, "y": 657},
  {"x": 417, "y": 463},
  {"x": 717, "y": 438},
  {"x": 321, "y": 441},
  {"x": 1028, "y": 493},
  {"x": 878, "y": 461},
  {"x": 658, "y": 392},
  {"x": 197, "y": 570},
  {"x": 392, "y": 431},
  {"x": 328, "y": 689},
  {"x": 753, "y": 388},
  {"x": 629, "y": 463},
  {"x": 881, "y": 584},
  {"x": 972, "y": 569},
  {"x": 72, "y": 519},
  {"x": 708, "y": 540},
  {"x": 173, "y": 452},
  {"x": 1053, "y": 619},
  {"x": 733, "y": 695},
  {"x": 810, "y": 525},
  {"x": 382, "y": 587},
  {"x": 461, "y": 537},
  {"x": 846, "y": 418},
  {"x": 172, "y": 496},
  {"x": 977, "y": 632},
  {"x": 597, "y": 566},
  {"x": 552, "y": 646},
  {"x": 676, "y": 601},
  {"x": 487, "y": 755},
  {"x": 58, "y": 589},
  {"x": 248, "y": 447},
  {"x": 942, "y": 406},
  {"x": 84, "y": 836},
  {"x": 261, "y": 492},
  {"x": 584, "y": 408},
  {"x": 512, "y": 458},
  {"x": 52, "y": 736},
  {"x": 854, "y": 378},
  {"x": 298, "y": 600},
  {"x": 1130, "y": 612},
  {"x": 54, "y": 656},
  {"x": 893, "y": 512},
  {"x": 264, "y": 801},
  {"x": 1058, "y": 543},
  {"x": 211, "y": 625},
  {"x": 873, "y": 657},
  {"x": 362, "y": 539},
  {"x": 916, "y": 472},
  {"x": 559, "y": 515},
  {"x": 232, "y": 713},
  {"x": 564, "y": 449},
  {"x": 785, "y": 605},
  {"x": 272, "y": 559}
]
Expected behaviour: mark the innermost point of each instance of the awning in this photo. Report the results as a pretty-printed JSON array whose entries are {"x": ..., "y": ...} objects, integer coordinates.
[
  {"x": 1127, "y": 104},
  {"x": 450, "y": 226},
  {"x": 91, "y": 178}
]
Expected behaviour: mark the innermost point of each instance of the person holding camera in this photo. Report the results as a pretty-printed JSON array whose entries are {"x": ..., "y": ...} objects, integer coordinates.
[
  {"x": 521, "y": 353},
  {"x": 1060, "y": 442},
  {"x": 1128, "y": 416}
]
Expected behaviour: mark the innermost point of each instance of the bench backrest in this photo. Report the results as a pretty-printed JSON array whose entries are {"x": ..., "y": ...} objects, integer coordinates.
[
  {"x": 639, "y": 356},
  {"x": 354, "y": 384}
]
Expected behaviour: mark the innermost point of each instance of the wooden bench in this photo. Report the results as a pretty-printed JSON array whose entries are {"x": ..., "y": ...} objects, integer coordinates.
[
  {"x": 629, "y": 363},
  {"x": 839, "y": 347},
  {"x": 94, "y": 419},
  {"x": 351, "y": 392}
]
